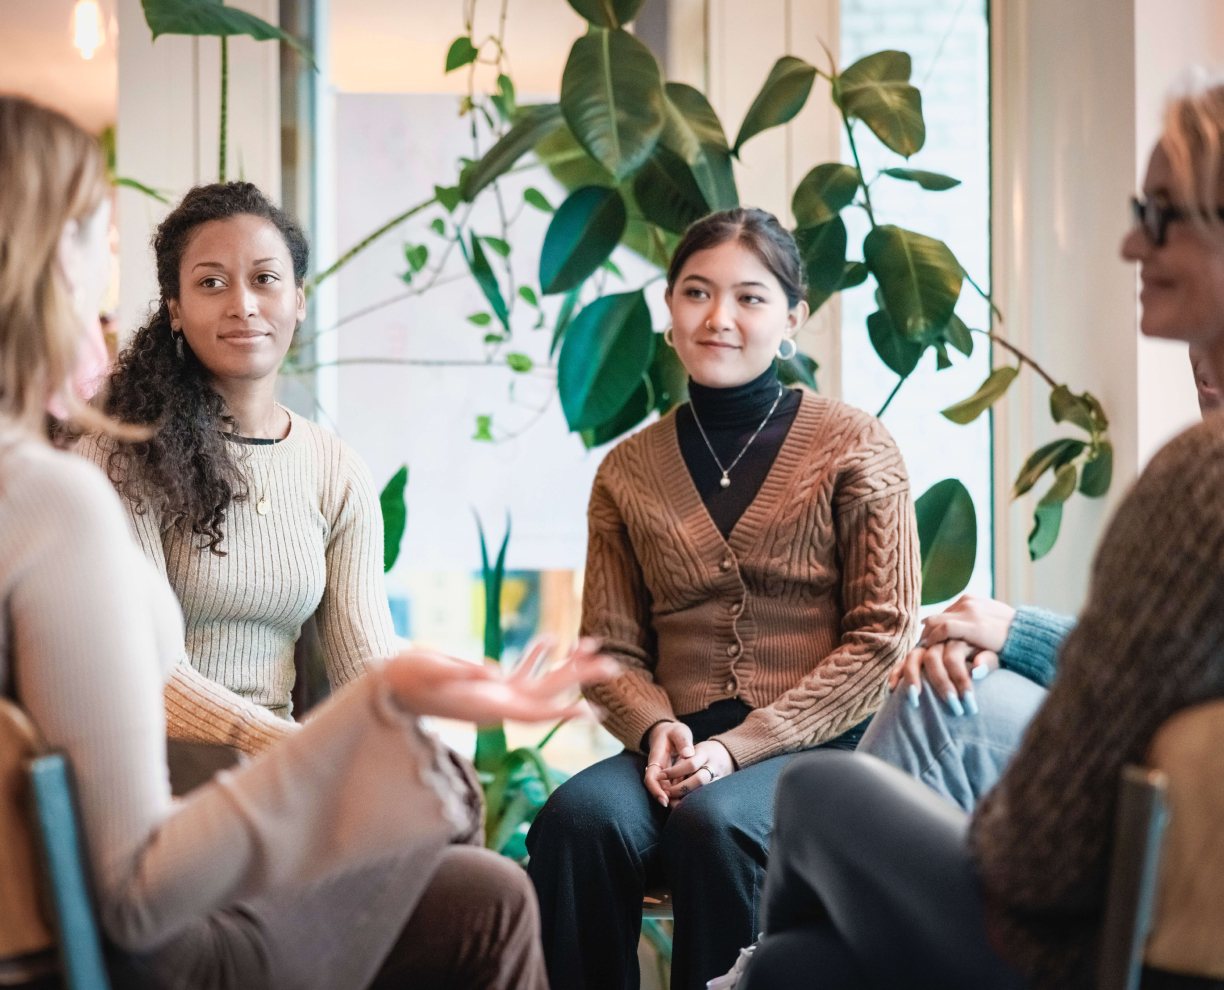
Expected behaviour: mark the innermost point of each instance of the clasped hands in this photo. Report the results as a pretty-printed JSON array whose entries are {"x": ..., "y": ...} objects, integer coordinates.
[
  {"x": 675, "y": 767},
  {"x": 957, "y": 647}
]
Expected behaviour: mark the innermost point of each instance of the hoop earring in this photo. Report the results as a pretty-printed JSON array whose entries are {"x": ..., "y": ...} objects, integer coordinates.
[
  {"x": 667, "y": 338},
  {"x": 794, "y": 349},
  {"x": 178, "y": 343}
]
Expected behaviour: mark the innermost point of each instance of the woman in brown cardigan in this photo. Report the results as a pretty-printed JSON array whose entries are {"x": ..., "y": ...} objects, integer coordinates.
[{"x": 753, "y": 561}]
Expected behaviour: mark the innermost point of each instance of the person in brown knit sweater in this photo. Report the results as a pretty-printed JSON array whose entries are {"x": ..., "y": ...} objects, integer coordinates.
[
  {"x": 898, "y": 888},
  {"x": 753, "y": 561}
]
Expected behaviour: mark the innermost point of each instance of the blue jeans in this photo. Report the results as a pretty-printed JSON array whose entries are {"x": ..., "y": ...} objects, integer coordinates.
[
  {"x": 960, "y": 757},
  {"x": 601, "y": 841}
]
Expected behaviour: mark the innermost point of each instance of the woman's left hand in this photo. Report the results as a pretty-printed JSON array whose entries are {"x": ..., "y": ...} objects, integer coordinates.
[{"x": 710, "y": 760}]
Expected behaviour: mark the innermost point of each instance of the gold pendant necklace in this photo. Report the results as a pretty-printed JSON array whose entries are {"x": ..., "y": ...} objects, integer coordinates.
[{"x": 725, "y": 480}]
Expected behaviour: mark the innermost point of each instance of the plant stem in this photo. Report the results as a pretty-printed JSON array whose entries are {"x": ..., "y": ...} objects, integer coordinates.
[
  {"x": 858, "y": 165},
  {"x": 365, "y": 242},
  {"x": 998, "y": 313},
  {"x": 892, "y": 395},
  {"x": 1024, "y": 358},
  {"x": 224, "y": 107},
  {"x": 551, "y": 732}
]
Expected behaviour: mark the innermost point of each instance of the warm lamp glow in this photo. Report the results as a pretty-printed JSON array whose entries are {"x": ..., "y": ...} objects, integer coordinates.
[{"x": 87, "y": 33}]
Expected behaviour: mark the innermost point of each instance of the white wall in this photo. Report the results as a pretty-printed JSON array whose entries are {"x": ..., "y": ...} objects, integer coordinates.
[
  {"x": 167, "y": 132},
  {"x": 1079, "y": 88}
]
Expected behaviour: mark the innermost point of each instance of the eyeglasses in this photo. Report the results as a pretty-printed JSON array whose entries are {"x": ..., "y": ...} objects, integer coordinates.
[{"x": 1154, "y": 217}]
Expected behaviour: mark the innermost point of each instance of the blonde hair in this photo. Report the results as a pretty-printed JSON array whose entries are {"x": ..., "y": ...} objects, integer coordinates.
[
  {"x": 51, "y": 172},
  {"x": 1193, "y": 140}
]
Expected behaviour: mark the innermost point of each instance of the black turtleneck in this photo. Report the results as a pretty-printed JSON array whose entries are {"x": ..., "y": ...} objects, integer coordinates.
[{"x": 730, "y": 416}]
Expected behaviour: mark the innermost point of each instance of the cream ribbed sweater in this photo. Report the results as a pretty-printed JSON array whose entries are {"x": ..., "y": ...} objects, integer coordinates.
[
  {"x": 800, "y": 613},
  {"x": 87, "y": 631},
  {"x": 318, "y": 551}
]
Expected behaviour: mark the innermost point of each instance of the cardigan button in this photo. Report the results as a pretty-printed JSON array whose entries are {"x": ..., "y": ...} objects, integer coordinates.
[
  {"x": 726, "y": 564},
  {"x": 737, "y": 607},
  {"x": 729, "y": 687},
  {"x": 733, "y": 650}
]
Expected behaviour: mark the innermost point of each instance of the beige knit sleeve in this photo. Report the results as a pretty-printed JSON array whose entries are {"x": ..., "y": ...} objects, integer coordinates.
[
  {"x": 877, "y": 541},
  {"x": 616, "y": 611},
  {"x": 353, "y": 616},
  {"x": 197, "y": 709}
]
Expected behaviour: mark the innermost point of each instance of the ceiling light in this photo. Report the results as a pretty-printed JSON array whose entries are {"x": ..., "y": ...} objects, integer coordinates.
[{"x": 87, "y": 31}]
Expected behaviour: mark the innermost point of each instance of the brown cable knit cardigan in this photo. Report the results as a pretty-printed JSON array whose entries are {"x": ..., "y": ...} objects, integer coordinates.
[
  {"x": 799, "y": 613},
  {"x": 1149, "y": 642}
]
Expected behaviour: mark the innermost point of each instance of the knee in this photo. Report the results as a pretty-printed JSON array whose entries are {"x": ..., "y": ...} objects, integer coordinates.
[
  {"x": 707, "y": 820},
  {"x": 478, "y": 882},
  {"x": 822, "y": 779}
]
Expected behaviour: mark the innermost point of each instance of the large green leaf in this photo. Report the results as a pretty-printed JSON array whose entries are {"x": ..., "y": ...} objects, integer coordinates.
[
  {"x": 394, "y": 515},
  {"x": 823, "y": 193},
  {"x": 1067, "y": 407},
  {"x": 612, "y": 99},
  {"x": 531, "y": 126},
  {"x": 581, "y": 235},
  {"x": 959, "y": 336},
  {"x": 799, "y": 369},
  {"x": 1098, "y": 471},
  {"x": 823, "y": 249},
  {"x": 693, "y": 131},
  {"x": 1047, "y": 518},
  {"x": 211, "y": 18},
  {"x": 901, "y": 355},
  {"x": 991, "y": 390},
  {"x": 606, "y": 350},
  {"x": 876, "y": 90},
  {"x": 607, "y": 13},
  {"x": 482, "y": 271},
  {"x": 667, "y": 192},
  {"x": 1054, "y": 455},
  {"x": 668, "y": 379},
  {"x": 934, "y": 181},
  {"x": 919, "y": 278},
  {"x": 639, "y": 406},
  {"x": 947, "y": 535},
  {"x": 785, "y": 91}
]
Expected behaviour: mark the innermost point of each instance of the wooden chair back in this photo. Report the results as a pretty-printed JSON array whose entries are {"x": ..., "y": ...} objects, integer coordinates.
[
  {"x": 1188, "y": 926},
  {"x": 27, "y": 938}
]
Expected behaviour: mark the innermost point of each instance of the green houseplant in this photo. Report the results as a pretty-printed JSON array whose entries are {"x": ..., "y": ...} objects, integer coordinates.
[{"x": 641, "y": 157}]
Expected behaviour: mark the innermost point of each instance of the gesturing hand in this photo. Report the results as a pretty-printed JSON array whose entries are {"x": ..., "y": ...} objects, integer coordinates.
[
  {"x": 426, "y": 682},
  {"x": 710, "y": 760},
  {"x": 669, "y": 742}
]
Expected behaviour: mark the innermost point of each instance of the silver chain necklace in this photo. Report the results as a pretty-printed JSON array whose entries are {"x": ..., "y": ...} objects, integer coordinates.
[{"x": 725, "y": 481}]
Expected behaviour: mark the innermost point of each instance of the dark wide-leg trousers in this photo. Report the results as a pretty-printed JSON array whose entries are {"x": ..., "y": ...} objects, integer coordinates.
[
  {"x": 601, "y": 841},
  {"x": 871, "y": 886}
]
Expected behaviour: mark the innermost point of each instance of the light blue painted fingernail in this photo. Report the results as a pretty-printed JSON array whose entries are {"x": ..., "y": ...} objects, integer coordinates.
[
  {"x": 954, "y": 703},
  {"x": 970, "y": 702},
  {"x": 979, "y": 672},
  {"x": 912, "y": 692}
]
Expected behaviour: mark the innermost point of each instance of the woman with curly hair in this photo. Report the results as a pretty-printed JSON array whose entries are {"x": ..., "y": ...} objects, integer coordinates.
[{"x": 258, "y": 517}]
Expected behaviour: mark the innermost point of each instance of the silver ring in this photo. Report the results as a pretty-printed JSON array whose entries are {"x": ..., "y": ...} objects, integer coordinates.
[
  {"x": 649, "y": 765},
  {"x": 713, "y": 775}
]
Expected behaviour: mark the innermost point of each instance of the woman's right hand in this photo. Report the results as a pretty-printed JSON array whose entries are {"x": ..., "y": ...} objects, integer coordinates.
[
  {"x": 426, "y": 682},
  {"x": 669, "y": 741}
]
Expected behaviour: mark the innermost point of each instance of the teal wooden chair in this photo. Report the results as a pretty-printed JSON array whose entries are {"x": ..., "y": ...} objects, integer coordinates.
[{"x": 47, "y": 919}]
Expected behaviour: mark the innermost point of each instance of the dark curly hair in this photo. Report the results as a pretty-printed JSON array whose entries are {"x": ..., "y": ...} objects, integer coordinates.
[{"x": 187, "y": 470}]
